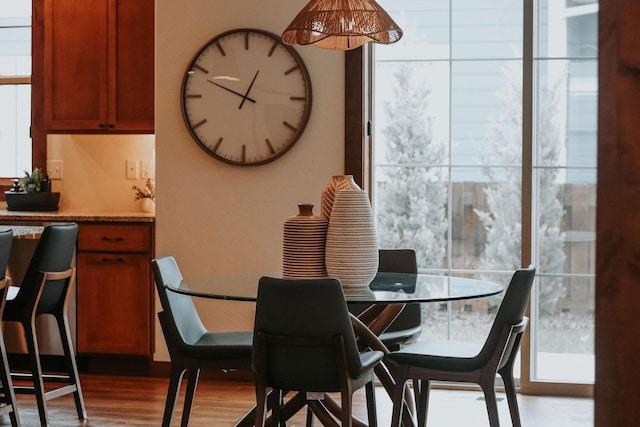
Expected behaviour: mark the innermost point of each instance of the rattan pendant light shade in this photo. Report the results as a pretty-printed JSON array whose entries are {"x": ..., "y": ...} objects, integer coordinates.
[{"x": 342, "y": 25}]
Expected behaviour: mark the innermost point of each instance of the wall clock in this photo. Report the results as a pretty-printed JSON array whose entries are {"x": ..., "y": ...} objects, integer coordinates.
[{"x": 246, "y": 97}]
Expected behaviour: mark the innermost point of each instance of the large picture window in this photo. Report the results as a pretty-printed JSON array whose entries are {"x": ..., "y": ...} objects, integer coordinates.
[
  {"x": 461, "y": 160},
  {"x": 15, "y": 88}
]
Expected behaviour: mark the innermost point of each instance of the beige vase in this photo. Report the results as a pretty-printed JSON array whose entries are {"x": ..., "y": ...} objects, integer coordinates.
[
  {"x": 148, "y": 205},
  {"x": 303, "y": 244},
  {"x": 351, "y": 252},
  {"x": 337, "y": 183}
]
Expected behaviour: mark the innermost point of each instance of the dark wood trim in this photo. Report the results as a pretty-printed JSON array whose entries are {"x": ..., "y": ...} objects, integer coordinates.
[
  {"x": 617, "y": 341},
  {"x": 355, "y": 124},
  {"x": 38, "y": 134}
]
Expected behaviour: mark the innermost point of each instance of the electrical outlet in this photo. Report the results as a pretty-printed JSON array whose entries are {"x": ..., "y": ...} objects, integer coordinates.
[
  {"x": 54, "y": 169},
  {"x": 132, "y": 169}
]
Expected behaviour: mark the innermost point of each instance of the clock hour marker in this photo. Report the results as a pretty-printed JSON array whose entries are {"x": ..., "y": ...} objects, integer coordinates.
[
  {"x": 200, "y": 123},
  {"x": 193, "y": 95},
  {"x": 198, "y": 67},
  {"x": 291, "y": 70},
  {"x": 246, "y": 41},
  {"x": 219, "y": 46},
  {"x": 215, "y": 148},
  {"x": 290, "y": 126},
  {"x": 275, "y": 45},
  {"x": 271, "y": 150},
  {"x": 297, "y": 98},
  {"x": 243, "y": 157}
]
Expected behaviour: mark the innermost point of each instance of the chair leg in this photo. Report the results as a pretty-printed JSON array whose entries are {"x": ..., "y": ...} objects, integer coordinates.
[
  {"x": 7, "y": 385},
  {"x": 192, "y": 383},
  {"x": 423, "y": 402},
  {"x": 172, "y": 395},
  {"x": 416, "y": 391},
  {"x": 276, "y": 412},
  {"x": 36, "y": 370},
  {"x": 510, "y": 390},
  {"x": 70, "y": 361},
  {"x": 309, "y": 417},
  {"x": 398, "y": 401},
  {"x": 346, "y": 401},
  {"x": 261, "y": 406},
  {"x": 492, "y": 407},
  {"x": 372, "y": 415}
]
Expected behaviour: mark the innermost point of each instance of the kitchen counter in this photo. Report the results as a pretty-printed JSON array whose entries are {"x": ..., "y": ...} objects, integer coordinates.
[{"x": 67, "y": 216}]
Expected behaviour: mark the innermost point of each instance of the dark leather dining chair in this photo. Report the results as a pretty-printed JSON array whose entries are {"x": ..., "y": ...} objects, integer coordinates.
[
  {"x": 191, "y": 346},
  {"x": 7, "y": 394},
  {"x": 453, "y": 361},
  {"x": 304, "y": 342},
  {"x": 407, "y": 327},
  {"x": 45, "y": 290}
]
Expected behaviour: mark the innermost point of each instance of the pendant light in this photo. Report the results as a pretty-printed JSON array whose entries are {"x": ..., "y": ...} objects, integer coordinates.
[{"x": 342, "y": 25}]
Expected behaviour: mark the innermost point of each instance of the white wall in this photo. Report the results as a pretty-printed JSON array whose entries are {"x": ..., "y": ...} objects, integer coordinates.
[
  {"x": 94, "y": 175},
  {"x": 218, "y": 218}
]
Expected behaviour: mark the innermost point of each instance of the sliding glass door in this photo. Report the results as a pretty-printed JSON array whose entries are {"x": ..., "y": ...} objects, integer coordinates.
[{"x": 484, "y": 160}]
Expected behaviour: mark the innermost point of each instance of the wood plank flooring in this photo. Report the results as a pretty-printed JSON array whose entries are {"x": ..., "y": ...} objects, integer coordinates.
[{"x": 134, "y": 401}]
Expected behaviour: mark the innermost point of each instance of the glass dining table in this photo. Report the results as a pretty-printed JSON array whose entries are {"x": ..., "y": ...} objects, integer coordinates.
[{"x": 387, "y": 294}]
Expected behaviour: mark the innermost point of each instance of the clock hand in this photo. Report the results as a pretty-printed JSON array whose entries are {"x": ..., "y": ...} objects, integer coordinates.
[
  {"x": 233, "y": 91},
  {"x": 246, "y": 95}
]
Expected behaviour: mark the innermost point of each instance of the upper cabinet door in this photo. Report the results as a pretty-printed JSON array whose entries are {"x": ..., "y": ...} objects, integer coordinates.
[
  {"x": 75, "y": 65},
  {"x": 131, "y": 65},
  {"x": 98, "y": 71}
]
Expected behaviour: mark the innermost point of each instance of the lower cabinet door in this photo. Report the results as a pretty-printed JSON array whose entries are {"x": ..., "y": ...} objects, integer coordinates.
[{"x": 113, "y": 304}]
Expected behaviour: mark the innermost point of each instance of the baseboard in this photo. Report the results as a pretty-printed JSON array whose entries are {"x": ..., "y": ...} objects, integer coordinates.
[
  {"x": 114, "y": 365},
  {"x": 163, "y": 369},
  {"x": 123, "y": 365}
]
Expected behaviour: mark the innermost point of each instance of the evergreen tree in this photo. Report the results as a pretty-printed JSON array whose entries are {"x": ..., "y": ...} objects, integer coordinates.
[
  {"x": 502, "y": 220},
  {"x": 412, "y": 194}
]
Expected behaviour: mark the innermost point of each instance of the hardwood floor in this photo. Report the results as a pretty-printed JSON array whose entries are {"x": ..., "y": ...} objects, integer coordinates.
[{"x": 134, "y": 401}]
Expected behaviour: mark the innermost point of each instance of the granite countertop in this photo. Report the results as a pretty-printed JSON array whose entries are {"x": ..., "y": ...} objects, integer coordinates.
[{"x": 24, "y": 216}]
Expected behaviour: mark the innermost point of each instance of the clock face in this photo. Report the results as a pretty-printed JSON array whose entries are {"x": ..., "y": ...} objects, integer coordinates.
[{"x": 246, "y": 97}]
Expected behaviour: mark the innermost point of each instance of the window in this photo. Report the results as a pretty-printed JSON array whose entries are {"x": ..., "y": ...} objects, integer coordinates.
[
  {"x": 15, "y": 88},
  {"x": 454, "y": 175}
]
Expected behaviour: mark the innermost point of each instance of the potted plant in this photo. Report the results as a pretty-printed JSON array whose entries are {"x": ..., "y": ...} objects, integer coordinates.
[
  {"x": 32, "y": 192},
  {"x": 147, "y": 194}
]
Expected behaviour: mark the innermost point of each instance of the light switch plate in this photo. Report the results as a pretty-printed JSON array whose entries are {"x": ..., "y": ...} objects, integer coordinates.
[
  {"x": 54, "y": 169},
  {"x": 146, "y": 169},
  {"x": 132, "y": 169}
]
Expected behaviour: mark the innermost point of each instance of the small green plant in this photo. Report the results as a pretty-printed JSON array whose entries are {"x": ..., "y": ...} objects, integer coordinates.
[
  {"x": 147, "y": 192},
  {"x": 31, "y": 183}
]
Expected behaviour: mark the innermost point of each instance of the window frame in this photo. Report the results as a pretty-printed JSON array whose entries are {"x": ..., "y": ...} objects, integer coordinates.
[
  {"x": 358, "y": 162},
  {"x": 38, "y": 134}
]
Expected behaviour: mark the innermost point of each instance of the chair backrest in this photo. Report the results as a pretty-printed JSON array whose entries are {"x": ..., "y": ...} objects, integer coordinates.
[
  {"x": 511, "y": 311},
  {"x": 401, "y": 261},
  {"x": 6, "y": 238},
  {"x": 178, "y": 308},
  {"x": 303, "y": 308},
  {"x": 54, "y": 253},
  {"x": 397, "y": 261}
]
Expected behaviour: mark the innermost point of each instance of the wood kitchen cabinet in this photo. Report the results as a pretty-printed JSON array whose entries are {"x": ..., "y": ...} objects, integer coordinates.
[
  {"x": 114, "y": 289},
  {"x": 99, "y": 65}
]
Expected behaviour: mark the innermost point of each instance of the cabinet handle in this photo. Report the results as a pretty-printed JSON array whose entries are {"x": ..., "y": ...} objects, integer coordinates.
[
  {"x": 102, "y": 126},
  {"x": 113, "y": 239},
  {"x": 112, "y": 260}
]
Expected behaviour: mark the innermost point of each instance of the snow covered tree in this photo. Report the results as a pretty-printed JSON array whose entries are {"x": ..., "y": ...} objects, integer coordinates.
[
  {"x": 502, "y": 220},
  {"x": 412, "y": 186}
]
